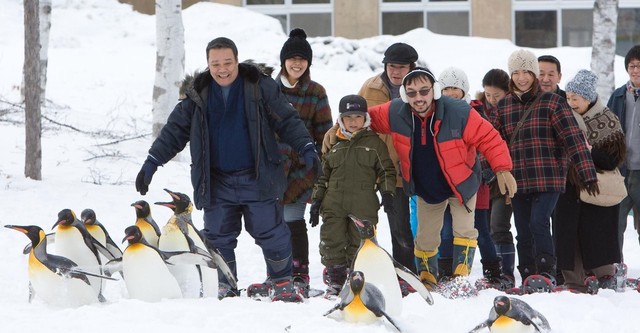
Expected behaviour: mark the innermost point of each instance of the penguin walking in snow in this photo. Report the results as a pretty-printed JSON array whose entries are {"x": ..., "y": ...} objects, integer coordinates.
[
  {"x": 382, "y": 270},
  {"x": 179, "y": 234},
  {"x": 146, "y": 269},
  {"x": 99, "y": 232},
  {"x": 146, "y": 223},
  {"x": 55, "y": 279},
  {"x": 361, "y": 301},
  {"x": 74, "y": 242},
  {"x": 514, "y": 316}
]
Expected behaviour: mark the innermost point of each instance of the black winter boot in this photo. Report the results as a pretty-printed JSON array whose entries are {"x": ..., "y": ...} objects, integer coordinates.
[
  {"x": 545, "y": 280},
  {"x": 336, "y": 276},
  {"x": 445, "y": 269},
  {"x": 507, "y": 251},
  {"x": 493, "y": 276}
]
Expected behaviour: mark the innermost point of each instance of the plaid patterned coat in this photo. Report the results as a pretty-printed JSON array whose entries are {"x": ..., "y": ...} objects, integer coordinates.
[
  {"x": 310, "y": 99},
  {"x": 549, "y": 138}
]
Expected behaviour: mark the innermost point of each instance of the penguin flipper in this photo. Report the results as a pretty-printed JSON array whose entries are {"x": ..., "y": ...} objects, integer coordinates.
[
  {"x": 480, "y": 326},
  {"x": 32, "y": 292},
  {"x": 391, "y": 321},
  {"x": 373, "y": 299},
  {"x": 51, "y": 239},
  {"x": 334, "y": 308},
  {"x": 414, "y": 282},
  {"x": 188, "y": 258},
  {"x": 222, "y": 266}
]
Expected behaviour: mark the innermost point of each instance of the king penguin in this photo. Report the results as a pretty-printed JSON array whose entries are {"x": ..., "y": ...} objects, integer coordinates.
[
  {"x": 382, "y": 270},
  {"x": 99, "y": 232},
  {"x": 179, "y": 234},
  {"x": 146, "y": 269},
  {"x": 361, "y": 301},
  {"x": 146, "y": 223},
  {"x": 56, "y": 280},
  {"x": 76, "y": 243},
  {"x": 514, "y": 316}
]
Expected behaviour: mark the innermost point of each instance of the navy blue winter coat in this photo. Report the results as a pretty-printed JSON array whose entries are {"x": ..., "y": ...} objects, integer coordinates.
[{"x": 268, "y": 113}]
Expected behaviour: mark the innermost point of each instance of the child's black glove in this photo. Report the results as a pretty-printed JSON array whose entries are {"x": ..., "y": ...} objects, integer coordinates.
[
  {"x": 387, "y": 203},
  {"x": 314, "y": 213}
]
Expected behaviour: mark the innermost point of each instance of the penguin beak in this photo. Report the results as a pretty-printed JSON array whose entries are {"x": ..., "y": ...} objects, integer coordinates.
[
  {"x": 136, "y": 205},
  {"x": 19, "y": 228},
  {"x": 172, "y": 194},
  {"x": 56, "y": 224},
  {"x": 166, "y": 204},
  {"x": 127, "y": 237}
]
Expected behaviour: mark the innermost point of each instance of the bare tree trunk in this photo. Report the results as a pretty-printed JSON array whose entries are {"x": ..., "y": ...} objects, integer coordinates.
[
  {"x": 45, "y": 28},
  {"x": 169, "y": 60},
  {"x": 33, "y": 152},
  {"x": 603, "y": 51}
]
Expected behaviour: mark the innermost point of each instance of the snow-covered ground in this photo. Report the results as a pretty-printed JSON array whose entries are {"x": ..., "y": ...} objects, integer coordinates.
[{"x": 100, "y": 80}]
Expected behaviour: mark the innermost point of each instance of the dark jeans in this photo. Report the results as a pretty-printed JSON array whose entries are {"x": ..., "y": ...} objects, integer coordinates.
[
  {"x": 481, "y": 223},
  {"x": 632, "y": 180},
  {"x": 400, "y": 228},
  {"x": 532, "y": 214},
  {"x": 501, "y": 221},
  {"x": 236, "y": 197}
]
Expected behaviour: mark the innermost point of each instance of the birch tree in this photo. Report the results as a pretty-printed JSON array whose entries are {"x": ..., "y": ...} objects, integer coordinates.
[
  {"x": 603, "y": 51},
  {"x": 45, "y": 28},
  {"x": 169, "y": 60},
  {"x": 32, "y": 92}
]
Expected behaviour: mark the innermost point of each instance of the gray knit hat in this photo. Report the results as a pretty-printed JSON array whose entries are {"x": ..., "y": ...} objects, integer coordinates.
[
  {"x": 524, "y": 60},
  {"x": 584, "y": 84},
  {"x": 454, "y": 77}
]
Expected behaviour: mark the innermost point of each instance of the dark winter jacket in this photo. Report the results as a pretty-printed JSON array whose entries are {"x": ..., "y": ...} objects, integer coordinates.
[
  {"x": 353, "y": 170},
  {"x": 310, "y": 99},
  {"x": 618, "y": 104},
  {"x": 268, "y": 113},
  {"x": 549, "y": 135},
  {"x": 459, "y": 131}
]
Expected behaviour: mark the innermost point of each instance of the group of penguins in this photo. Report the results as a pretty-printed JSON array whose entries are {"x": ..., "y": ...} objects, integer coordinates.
[{"x": 184, "y": 266}]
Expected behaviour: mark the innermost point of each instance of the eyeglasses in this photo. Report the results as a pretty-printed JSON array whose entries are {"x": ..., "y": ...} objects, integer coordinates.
[
  {"x": 633, "y": 67},
  {"x": 422, "y": 92}
]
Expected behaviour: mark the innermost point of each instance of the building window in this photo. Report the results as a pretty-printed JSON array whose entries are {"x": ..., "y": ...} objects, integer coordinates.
[
  {"x": 449, "y": 23},
  {"x": 536, "y": 29},
  {"x": 314, "y": 16},
  {"x": 628, "y": 30},
  {"x": 398, "y": 23},
  {"x": 577, "y": 27}
]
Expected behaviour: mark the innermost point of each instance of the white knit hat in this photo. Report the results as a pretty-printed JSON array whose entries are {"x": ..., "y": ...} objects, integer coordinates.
[
  {"x": 584, "y": 84},
  {"x": 524, "y": 60},
  {"x": 454, "y": 77}
]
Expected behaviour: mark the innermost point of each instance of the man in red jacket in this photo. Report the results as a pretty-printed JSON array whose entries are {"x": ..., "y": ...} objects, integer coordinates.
[{"x": 439, "y": 163}]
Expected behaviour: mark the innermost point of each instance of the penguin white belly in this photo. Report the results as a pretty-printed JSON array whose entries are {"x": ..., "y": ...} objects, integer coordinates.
[
  {"x": 70, "y": 243},
  {"x": 356, "y": 312},
  {"x": 507, "y": 325},
  {"x": 147, "y": 277},
  {"x": 57, "y": 290},
  {"x": 148, "y": 232},
  {"x": 172, "y": 239},
  {"x": 209, "y": 275},
  {"x": 378, "y": 270}
]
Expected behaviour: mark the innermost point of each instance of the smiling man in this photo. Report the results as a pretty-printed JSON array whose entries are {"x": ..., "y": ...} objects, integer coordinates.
[
  {"x": 550, "y": 74},
  {"x": 436, "y": 139},
  {"x": 231, "y": 116}
]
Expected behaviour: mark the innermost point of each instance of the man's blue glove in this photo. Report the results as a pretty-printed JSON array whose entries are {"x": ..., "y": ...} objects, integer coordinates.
[
  {"x": 314, "y": 212},
  {"x": 144, "y": 176},
  {"x": 310, "y": 159}
]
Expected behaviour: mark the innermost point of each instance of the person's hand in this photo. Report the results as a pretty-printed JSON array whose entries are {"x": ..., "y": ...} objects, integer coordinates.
[
  {"x": 330, "y": 138},
  {"x": 144, "y": 176},
  {"x": 387, "y": 203},
  {"x": 310, "y": 159},
  {"x": 592, "y": 188},
  {"x": 506, "y": 183},
  {"x": 314, "y": 212}
]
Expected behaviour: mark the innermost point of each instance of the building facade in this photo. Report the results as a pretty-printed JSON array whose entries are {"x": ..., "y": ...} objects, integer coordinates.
[{"x": 527, "y": 23}]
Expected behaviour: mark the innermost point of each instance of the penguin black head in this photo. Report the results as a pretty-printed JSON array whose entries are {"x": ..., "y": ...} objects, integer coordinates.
[
  {"x": 142, "y": 208},
  {"x": 65, "y": 217},
  {"x": 88, "y": 216},
  {"x": 356, "y": 281},
  {"x": 366, "y": 229},
  {"x": 132, "y": 234},
  {"x": 34, "y": 232},
  {"x": 502, "y": 304},
  {"x": 181, "y": 202}
]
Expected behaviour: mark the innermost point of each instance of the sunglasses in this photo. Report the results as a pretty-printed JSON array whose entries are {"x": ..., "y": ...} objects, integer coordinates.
[{"x": 422, "y": 92}]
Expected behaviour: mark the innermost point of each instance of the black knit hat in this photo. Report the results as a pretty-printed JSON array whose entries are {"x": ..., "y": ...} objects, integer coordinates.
[
  {"x": 400, "y": 53},
  {"x": 296, "y": 45},
  {"x": 351, "y": 104}
]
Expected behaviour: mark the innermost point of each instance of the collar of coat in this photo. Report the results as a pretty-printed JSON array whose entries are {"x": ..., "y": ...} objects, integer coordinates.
[{"x": 192, "y": 84}]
